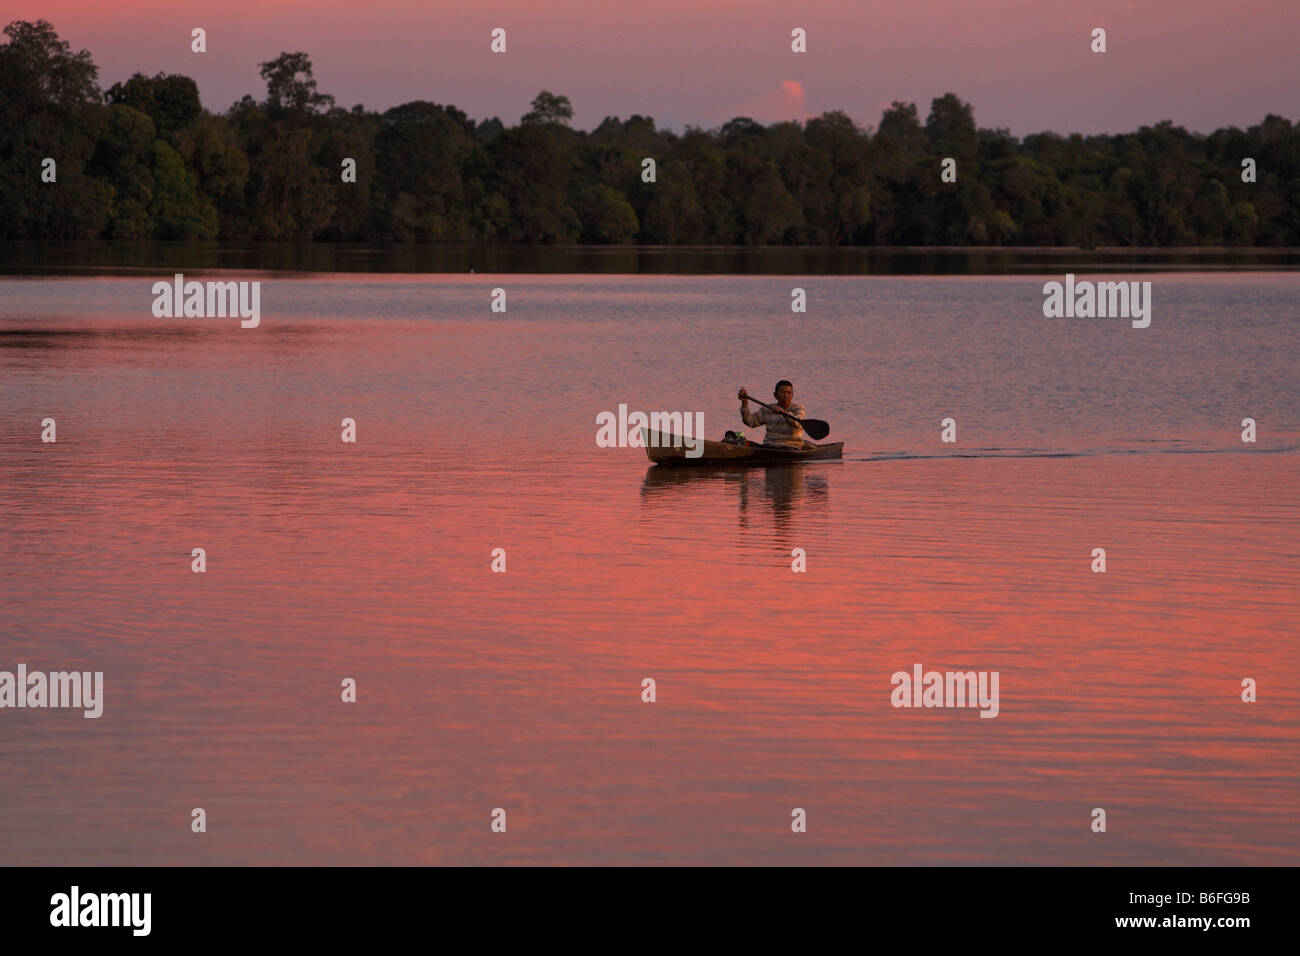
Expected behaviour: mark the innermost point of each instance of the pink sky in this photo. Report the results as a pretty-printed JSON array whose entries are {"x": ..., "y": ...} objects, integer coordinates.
[{"x": 1023, "y": 64}]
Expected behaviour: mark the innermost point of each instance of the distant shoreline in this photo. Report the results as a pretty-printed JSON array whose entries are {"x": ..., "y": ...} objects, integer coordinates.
[{"x": 55, "y": 257}]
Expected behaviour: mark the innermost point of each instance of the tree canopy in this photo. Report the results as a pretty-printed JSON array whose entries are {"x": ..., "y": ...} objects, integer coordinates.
[{"x": 145, "y": 160}]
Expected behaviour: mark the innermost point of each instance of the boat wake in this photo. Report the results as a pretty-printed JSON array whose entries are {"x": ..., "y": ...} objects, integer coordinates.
[{"x": 1088, "y": 453}]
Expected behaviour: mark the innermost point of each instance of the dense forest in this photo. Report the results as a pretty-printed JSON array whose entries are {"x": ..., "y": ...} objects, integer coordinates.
[{"x": 144, "y": 160}]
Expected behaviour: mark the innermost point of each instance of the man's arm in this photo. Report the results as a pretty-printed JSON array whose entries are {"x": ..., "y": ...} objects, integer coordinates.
[{"x": 752, "y": 419}]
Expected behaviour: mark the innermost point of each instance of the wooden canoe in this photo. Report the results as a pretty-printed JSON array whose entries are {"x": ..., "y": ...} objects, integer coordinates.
[{"x": 664, "y": 449}]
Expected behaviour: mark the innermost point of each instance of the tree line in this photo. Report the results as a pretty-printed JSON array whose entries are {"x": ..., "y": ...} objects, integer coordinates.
[{"x": 145, "y": 160}]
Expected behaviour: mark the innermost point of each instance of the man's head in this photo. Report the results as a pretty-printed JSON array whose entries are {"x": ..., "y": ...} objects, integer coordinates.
[{"x": 784, "y": 393}]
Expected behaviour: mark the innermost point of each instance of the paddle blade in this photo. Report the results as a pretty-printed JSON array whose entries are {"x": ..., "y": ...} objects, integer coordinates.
[{"x": 816, "y": 428}]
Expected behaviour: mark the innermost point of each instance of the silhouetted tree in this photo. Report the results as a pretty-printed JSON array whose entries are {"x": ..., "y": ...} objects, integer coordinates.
[
  {"x": 171, "y": 101},
  {"x": 549, "y": 108}
]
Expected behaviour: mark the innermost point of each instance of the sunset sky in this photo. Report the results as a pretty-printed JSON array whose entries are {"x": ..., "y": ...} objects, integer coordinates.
[{"x": 1023, "y": 64}]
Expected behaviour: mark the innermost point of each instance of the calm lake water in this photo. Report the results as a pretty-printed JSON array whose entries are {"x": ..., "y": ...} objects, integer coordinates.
[{"x": 522, "y": 690}]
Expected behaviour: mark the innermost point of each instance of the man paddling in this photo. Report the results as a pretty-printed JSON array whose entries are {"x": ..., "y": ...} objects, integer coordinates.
[{"x": 780, "y": 430}]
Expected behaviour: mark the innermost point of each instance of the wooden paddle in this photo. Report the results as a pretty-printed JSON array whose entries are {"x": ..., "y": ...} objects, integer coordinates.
[{"x": 815, "y": 427}]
